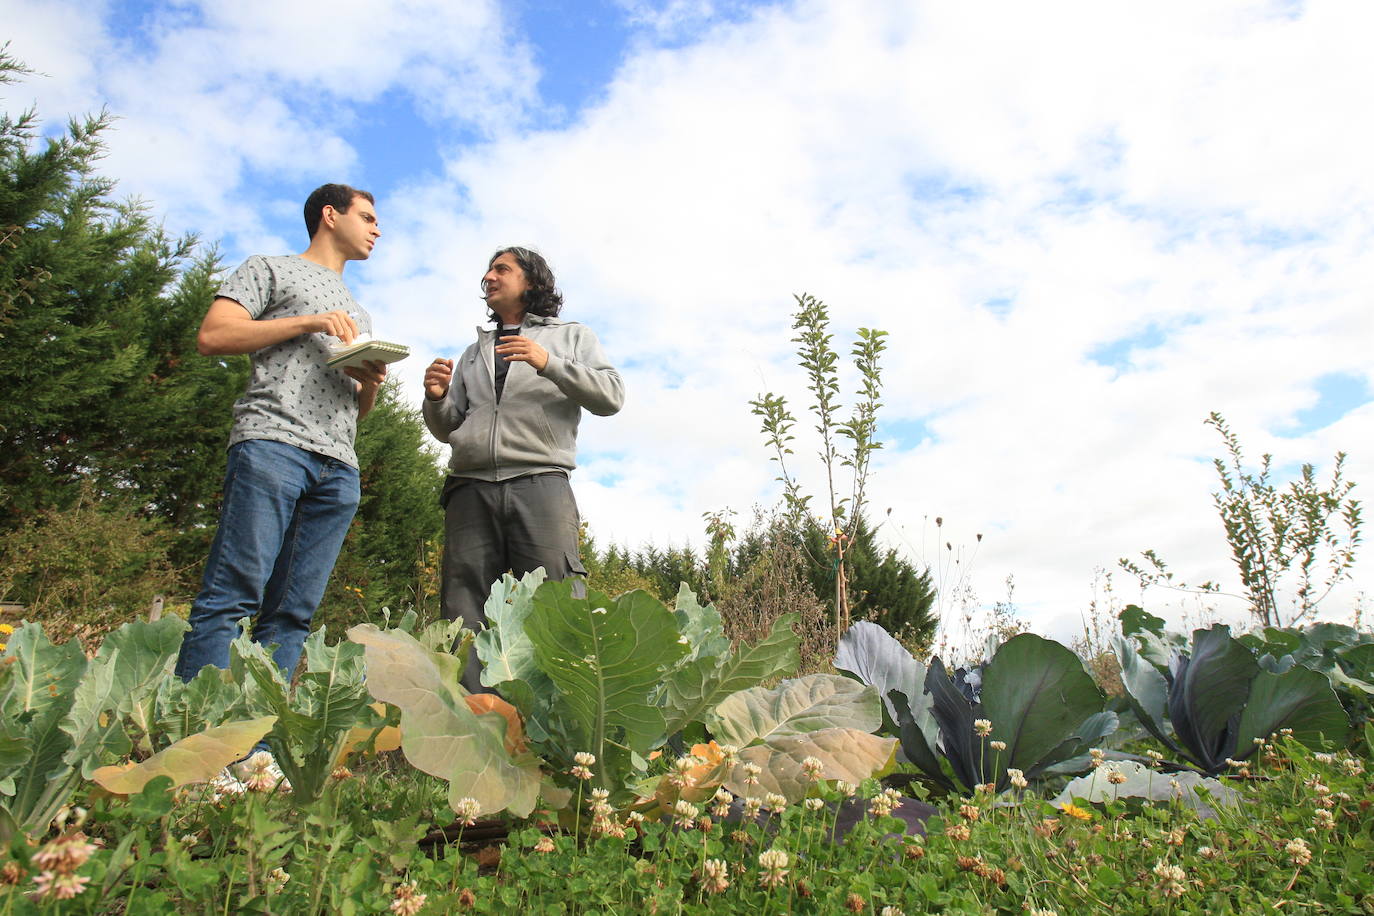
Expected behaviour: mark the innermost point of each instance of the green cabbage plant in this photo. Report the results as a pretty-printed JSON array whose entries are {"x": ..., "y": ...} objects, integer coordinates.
[
  {"x": 1342, "y": 653},
  {"x": 63, "y": 715},
  {"x": 1039, "y": 700},
  {"x": 618, "y": 679},
  {"x": 1211, "y": 702}
]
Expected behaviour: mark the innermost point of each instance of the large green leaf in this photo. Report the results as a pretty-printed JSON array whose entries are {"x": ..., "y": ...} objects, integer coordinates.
[
  {"x": 1086, "y": 736},
  {"x": 185, "y": 708},
  {"x": 606, "y": 658},
  {"x": 1208, "y": 693},
  {"x": 1147, "y": 691},
  {"x": 1156, "y": 644},
  {"x": 439, "y": 733},
  {"x": 36, "y": 694},
  {"x": 919, "y": 740},
  {"x": 695, "y": 688},
  {"x": 795, "y": 707},
  {"x": 844, "y": 753},
  {"x": 700, "y": 626},
  {"x": 1300, "y": 699},
  {"x": 503, "y": 647},
  {"x": 147, "y": 652},
  {"x": 42, "y": 676},
  {"x": 1036, "y": 692},
  {"x": 94, "y": 728},
  {"x": 120, "y": 687},
  {"x": 873, "y": 656}
]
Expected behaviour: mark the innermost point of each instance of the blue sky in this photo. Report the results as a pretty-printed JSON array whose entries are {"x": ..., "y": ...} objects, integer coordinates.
[{"x": 1085, "y": 226}]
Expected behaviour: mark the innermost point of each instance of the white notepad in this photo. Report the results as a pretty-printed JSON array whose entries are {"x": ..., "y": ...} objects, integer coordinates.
[{"x": 365, "y": 349}]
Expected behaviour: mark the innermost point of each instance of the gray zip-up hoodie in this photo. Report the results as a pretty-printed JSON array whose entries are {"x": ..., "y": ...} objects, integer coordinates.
[{"x": 534, "y": 426}]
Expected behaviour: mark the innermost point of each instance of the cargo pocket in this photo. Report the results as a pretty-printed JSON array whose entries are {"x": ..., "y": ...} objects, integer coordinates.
[{"x": 577, "y": 575}]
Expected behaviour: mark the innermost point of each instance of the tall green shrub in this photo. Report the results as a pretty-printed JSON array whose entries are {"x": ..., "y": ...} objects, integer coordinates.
[
  {"x": 1302, "y": 537},
  {"x": 99, "y": 377}
]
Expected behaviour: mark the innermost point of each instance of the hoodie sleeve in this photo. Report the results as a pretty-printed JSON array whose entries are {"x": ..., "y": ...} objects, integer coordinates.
[
  {"x": 446, "y": 414},
  {"x": 585, "y": 375}
]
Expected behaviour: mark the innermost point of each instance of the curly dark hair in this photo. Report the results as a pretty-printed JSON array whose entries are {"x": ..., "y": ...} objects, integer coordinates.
[
  {"x": 338, "y": 196},
  {"x": 543, "y": 297}
]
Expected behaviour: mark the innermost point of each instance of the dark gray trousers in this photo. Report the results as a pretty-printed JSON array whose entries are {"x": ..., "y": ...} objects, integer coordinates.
[{"x": 514, "y": 526}]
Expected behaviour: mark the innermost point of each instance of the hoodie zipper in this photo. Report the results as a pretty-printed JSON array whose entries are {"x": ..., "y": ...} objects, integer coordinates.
[{"x": 495, "y": 408}]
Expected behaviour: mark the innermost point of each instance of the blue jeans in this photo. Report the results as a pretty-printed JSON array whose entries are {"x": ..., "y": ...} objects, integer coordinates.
[{"x": 286, "y": 512}]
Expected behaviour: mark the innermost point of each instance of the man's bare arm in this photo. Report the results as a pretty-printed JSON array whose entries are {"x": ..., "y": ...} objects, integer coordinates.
[
  {"x": 369, "y": 377},
  {"x": 228, "y": 329}
]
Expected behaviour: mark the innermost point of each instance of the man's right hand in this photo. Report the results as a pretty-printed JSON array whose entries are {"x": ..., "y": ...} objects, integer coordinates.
[
  {"x": 437, "y": 378},
  {"x": 337, "y": 323}
]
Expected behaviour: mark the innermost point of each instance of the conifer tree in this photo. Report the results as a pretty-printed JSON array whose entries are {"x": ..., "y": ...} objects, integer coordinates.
[{"x": 99, "y": 377}]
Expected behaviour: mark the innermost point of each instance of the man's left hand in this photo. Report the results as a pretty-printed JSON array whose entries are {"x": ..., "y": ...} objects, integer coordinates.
[
  {"x": 523, "y": 350},
  {"x": 370, "y": 373}
]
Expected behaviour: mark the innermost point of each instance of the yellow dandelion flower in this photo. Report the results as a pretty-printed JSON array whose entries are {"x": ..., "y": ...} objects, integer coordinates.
[{"x": 1069, "y": 809}]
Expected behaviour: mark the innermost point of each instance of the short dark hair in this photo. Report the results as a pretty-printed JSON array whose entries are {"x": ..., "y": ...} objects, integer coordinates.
[
  {"x": 338, "y": 196},
  {"x": 543, "y": 297}
]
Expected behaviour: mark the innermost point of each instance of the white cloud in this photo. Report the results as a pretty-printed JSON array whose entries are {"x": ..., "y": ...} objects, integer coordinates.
[{"x": 212, "y": 96}]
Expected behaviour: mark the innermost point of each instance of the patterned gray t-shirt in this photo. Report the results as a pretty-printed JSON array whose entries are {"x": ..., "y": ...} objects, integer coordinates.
[{"x": 292, "y": 396}]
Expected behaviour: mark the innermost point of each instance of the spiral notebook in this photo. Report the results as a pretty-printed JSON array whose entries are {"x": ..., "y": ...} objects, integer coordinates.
[{"x": 365, "y": 349}]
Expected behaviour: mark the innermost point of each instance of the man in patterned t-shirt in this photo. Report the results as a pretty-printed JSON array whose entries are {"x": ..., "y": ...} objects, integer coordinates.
[{"x": 291, "y": 483}]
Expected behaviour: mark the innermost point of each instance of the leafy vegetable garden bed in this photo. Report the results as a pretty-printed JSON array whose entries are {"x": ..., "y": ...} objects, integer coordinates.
[{"x": 635, "y": 761}]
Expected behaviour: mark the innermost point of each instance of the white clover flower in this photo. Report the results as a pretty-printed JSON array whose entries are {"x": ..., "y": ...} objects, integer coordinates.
[
  {"x": 775, "y": 802},
  {"x": 1017, "y": 778},
  {"x": 982, "y": 727},
  {"x": 773, "y": 866},
  {"x": 998, "y": 745},
  {"x": 467, "y": 810},
  {"x": 686, "y": 814},
  {"x": 715, "y": 876},
  {"x": 260, "y": 773},
  {"x": 1172, "y": 879},
  {"x": 1297, "y": 851},
  {"x": 814, "y": 804},
  {"x": 408, "y": 900}
]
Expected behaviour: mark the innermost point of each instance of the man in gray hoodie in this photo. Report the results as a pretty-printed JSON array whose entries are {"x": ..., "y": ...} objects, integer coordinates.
[{"x": 509, "y": 408}]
